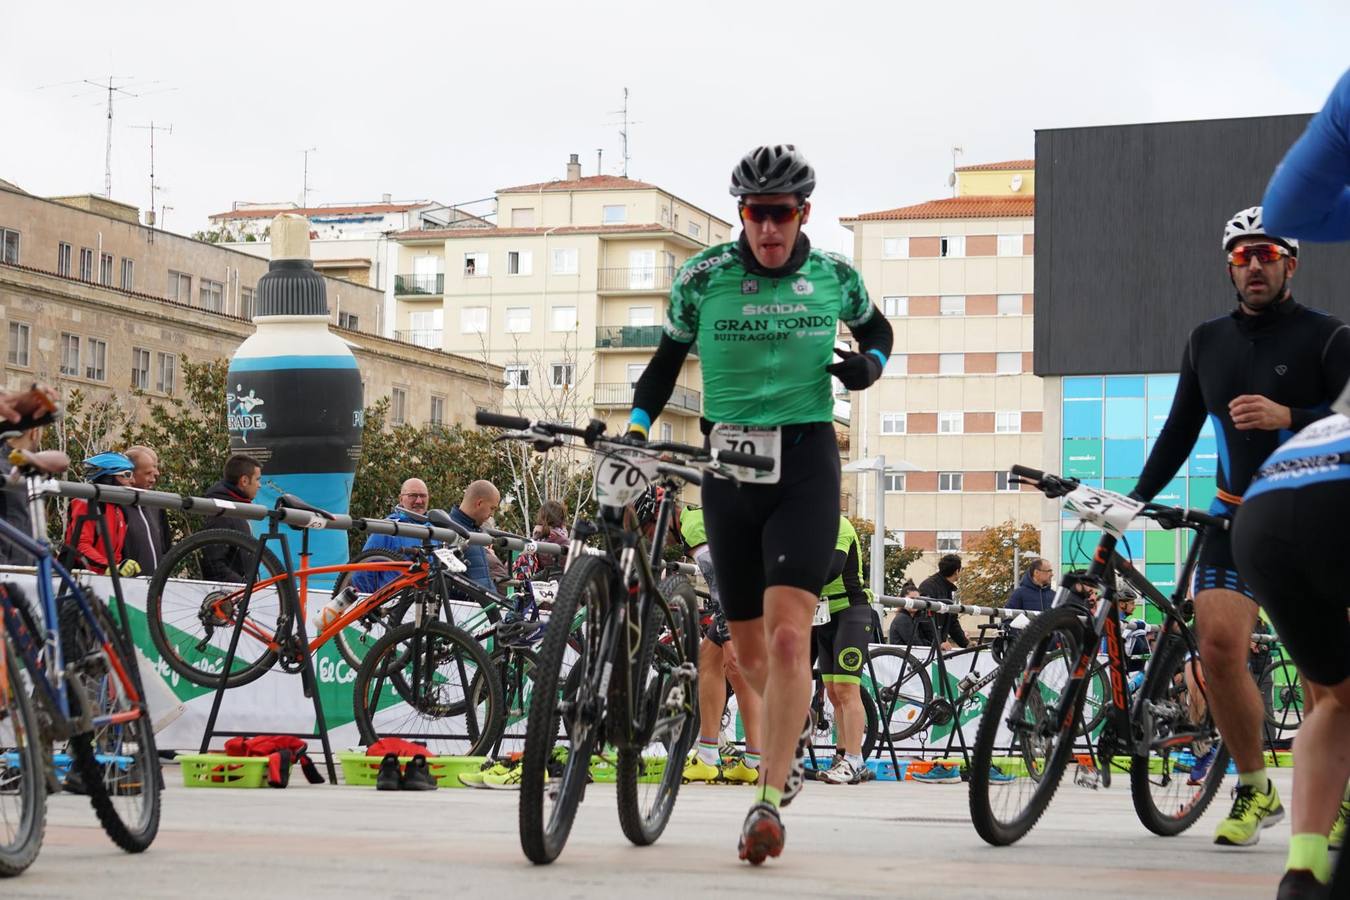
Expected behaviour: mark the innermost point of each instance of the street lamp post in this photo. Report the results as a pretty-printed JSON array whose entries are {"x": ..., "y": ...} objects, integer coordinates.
[{"x": 879, "y": 466}]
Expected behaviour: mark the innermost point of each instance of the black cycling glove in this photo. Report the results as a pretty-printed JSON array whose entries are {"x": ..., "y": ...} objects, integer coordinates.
[{"x": 856, "y": 371}]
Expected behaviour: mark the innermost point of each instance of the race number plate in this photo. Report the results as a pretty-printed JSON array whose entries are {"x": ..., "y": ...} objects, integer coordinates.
[
  {"x": 544, "y": 591},
  {"x": 1108, "y": 510},
  {"x": 745, "y": 439},
  {"x": 450, "y": 560},
  {"x": 822, "y": 615},
  {"x": 622, "y": 476}
]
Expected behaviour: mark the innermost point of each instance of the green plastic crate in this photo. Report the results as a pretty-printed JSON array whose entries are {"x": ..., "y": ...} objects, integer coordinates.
[
  {"x": 216, "y": 770},
  {"x": 360, "y": 769}
]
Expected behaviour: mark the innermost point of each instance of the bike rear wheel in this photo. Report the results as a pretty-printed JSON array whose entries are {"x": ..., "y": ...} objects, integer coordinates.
[
  {"x": 192, "y": 608},
  {"x": 355, "y": 641},
  {"x": 902, "y": 691},
  {"x": 553, "y": 777},
  {"x": 1282, "y": 691},
  {"x": 23, "y": 795},
  {"x": 1029, "y": 715}
]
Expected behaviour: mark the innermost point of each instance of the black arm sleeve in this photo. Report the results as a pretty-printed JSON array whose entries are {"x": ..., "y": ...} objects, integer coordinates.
[
  {"x": 955, "y": 633},
  {"x": 1335, "y": 373},
  {"x": 874, "y": 334},
  {"x": 837, "y": 563},
  {"x": 658, "y": 379},
  {"x": 1178, "y": 435}
]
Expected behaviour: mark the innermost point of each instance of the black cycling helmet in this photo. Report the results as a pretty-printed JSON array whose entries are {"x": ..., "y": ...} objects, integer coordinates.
[{"x": 773, "y": 169}]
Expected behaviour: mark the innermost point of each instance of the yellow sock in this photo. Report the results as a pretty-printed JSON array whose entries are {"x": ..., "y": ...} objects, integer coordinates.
[
  {"x": 773, "y": 796},
  {"x": 1309, "y": 851}
]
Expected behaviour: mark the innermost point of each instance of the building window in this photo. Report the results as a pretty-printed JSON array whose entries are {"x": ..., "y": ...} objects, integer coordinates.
[
  {"x": 86, "y": 264},
  {"x": 70, "y": 354},
  {"x": 96, "y": 367},
  {"x": 475, "y": 264},
  {"x": 1009, "y": 363},
  {"x": 695, "y": 230},
  {"x": 63, "y": 259},
  {"x": 954, "y": 245},
  {"x": 895, "y": 247},
  {"x": 614, "y": 215},
  {"x": 950, "y": 482},
  {"x": 951, "y": 363},
  {"x": 565, "y": 261},
  {"x": 1006, "y": 482},
  {"x": 894, "y": 482},
  {"x": 517, "y": 377},
  {"x": 951, "y": 422},
  {"x": 9, "y": 245},
  {"x": 896, "y": 364},
  {"x": 1007, "y": 423},
  {"x": 105, "y": 269},
  {"x": 180, "y": 286},
  {"x": 166, "y": 372},
  {"x": 949, "y": 542},
  {"x": 667, "y": 432},
  {"x": 1009, "y": 245},
  {"x": 473, "y": 320},
  {"x": 563, "y": 318},
  {"x": 895, "y": 307},
  {"x": 246, "y": 303},
  {"x": 128, "y": 274},
  {"x": 437, "y": 416},
  {"x": 894, "y": 423},
  {"x": 561, "y": 374},
  {"x": 641, "y": 316},
  {"x": 19, "y": 335},
  {"x": 140, "y": 369},
  {"x": 398, "y": 405},
  {"x": 212, "y": 295},
  {"x": 1009, "y": 304},
  {"x": 517, "y": 319},
  {"x": 350, "y": 321},
  {"x": 952, "y": 306},
  {"x": 522, "y": 218},
  {"x": 519, "y": 262}
]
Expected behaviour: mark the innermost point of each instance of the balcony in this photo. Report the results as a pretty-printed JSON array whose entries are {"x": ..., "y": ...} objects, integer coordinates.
[
  {"x": 421, "y": 337},
  {"x": 630, "y": 337},
  {"x": 620, "y": 394},
  {"x": 429, "y": 285},
  {"x": 641, "y": 278}
]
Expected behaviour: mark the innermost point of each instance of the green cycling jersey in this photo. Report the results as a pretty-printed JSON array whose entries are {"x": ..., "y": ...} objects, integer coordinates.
[
  {"x": 848, "y": 588},
  {"x": 764, "y": 342}
]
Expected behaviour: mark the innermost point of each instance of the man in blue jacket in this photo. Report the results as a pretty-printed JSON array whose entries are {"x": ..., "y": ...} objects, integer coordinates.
[
  {"x": 1034, "y": 594},
  {"x": 413, "y": 500},
  {"x": 481, "y": 499}
]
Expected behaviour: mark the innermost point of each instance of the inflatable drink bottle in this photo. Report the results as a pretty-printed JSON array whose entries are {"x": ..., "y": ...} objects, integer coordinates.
[{"x": 293, "y": 394}]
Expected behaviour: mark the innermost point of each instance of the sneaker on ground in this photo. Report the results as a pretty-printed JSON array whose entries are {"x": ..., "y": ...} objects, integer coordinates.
[
  {"x": 1200, "y": 768},
  {"x": 842, "y": 772},
  {"x": 762, "y": 835},
  {"x": 1336, "y": 839},
  {"x": 390, "y": 777},
  {"x": 491, "y": 767},
  {"x": 1299, "y": 884},
  {"x": 796, "y": 776},
  {"x": 940, "y": 774},
  {"x": 739, "y": 773},
  {"x": 508, "y": 780},
  {"x": 696, "y": 769},
  {"x": 997, "y": 776},
  {"x": 1252, "y": 811},
  {"x": 417, "y": 777}
]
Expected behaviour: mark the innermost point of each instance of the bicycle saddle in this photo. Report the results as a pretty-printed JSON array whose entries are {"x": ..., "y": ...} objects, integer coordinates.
[
  {"x": 440, "y": 518},
  {"x": 290, "y": 501}
]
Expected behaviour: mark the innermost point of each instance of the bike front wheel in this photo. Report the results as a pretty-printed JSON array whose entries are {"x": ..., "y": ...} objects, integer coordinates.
[
  {"x": 23, "y": 795},
  {"x": 1282, "y": 692}
]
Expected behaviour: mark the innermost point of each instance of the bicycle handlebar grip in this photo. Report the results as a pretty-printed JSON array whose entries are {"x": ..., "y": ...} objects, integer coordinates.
[
  {"x": 1027, "y": 472},
  {"x": 749, "y": 460},
  {"x": 497, "y": 420}
]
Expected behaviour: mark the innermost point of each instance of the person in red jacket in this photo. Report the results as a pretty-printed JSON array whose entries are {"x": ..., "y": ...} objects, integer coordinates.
[{"x": 105, "y": 468}]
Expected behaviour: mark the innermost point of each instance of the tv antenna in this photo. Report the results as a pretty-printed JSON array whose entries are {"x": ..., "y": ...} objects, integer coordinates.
[
  {"x": 957, "y": 150},
  {"x": 152, "y": 128},
  {"x": 304, "y": 194},
  {"x": 623, "y": 130}
]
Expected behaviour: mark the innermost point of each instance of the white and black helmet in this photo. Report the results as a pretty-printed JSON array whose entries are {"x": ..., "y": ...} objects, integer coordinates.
[
  {"x": 773, "y": 169},
  {"x": 1248, "y": 224}
]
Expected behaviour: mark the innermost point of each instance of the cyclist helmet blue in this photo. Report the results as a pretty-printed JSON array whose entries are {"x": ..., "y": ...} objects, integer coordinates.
[{"x": 103, "y": 464}]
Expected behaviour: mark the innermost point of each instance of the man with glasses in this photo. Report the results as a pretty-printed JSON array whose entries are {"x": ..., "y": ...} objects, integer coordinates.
[
  {"x": 765, "y": 311},
  {"x": 1260, "y": 373},
  {"x": 413, "y": 500},
  {"x": 1034, "y": 594}
]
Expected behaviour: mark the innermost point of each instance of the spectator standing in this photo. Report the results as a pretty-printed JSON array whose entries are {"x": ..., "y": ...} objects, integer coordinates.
[
  {"x": 241, "y": 480},
  {"x": 1035, "y": 593},
  {"x": 147, "y": 528},
  {"x": 942, "y": 586}
]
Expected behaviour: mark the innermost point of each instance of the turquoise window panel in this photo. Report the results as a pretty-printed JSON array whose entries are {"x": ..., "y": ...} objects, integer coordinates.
[
  {"x": 1125, "y": 418},
  {"x": 1082, "y": 459},
  {"x": 1083, "y": 419},
  {"x": 1207, "y": 430},
  {"x": 1120, "y": 485},
  {"x": 1124, "y": 459},
  {"x": 1163, "y": 576},
  {"x": 1172, "y": 495},
  {"x": 1160, "y": 547},
  {"x": 1202, "y": 492},
  {"x": 1079, "y": 387},
  {"x": 1158, "y": 408},
  {"x": 1125, "y": 386},
  {"x": 1077, "y": 547},
  {"x": 1135, "y": 550},
  {"x": 1204, "y": 461},
  {"x": 1162, "y": 386}
]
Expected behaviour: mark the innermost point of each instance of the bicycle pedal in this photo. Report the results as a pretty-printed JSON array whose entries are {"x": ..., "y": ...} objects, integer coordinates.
[{"x": 1087, "y": 777}]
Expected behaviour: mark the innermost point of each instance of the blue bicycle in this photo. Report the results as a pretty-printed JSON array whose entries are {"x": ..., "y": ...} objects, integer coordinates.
[{"x": 68, "y": 674}]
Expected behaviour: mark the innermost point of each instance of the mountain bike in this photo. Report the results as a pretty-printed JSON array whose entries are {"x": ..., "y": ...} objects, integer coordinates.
[
  {"x": 627, "y": 687},
  {"x": 1034, "y": 713}
]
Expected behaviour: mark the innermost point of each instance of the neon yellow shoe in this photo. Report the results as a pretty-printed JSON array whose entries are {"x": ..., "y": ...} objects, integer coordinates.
[
  {"x": 1336, "y": 839},
  {"x": 696, "y": 769},
  {"x": 1252, "y": 811},
  {"x": 739, "y": 773}
]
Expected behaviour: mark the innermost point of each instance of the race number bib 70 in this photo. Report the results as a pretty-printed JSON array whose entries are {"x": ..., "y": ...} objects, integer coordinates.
[
  {"x": 758, "y": 441},
  {"x": 621, "y": 476},
  {"x": 1108, "y": 510},
  {"x": 822, "y": 614}
]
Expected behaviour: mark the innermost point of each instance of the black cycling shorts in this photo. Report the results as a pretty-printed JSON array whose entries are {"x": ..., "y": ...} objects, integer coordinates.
[
  {"x": 1216, "y": 568},
  {"x": 767, "y": 535},
  {"x": 841, "y": 644},
  {"x": 1293, "y": 553}
]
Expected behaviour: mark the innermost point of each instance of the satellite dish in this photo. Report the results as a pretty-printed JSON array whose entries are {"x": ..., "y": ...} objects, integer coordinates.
[
  {"x": 951, "y": 180},
  {"x": 1017, "y": 182}
]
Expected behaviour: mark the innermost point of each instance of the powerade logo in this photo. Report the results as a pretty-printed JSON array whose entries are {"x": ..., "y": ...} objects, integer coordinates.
[{"x": 240, "y": 412}]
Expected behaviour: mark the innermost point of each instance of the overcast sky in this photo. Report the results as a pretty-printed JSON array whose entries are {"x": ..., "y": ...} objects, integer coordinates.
[{"x": 452, "y": 101}]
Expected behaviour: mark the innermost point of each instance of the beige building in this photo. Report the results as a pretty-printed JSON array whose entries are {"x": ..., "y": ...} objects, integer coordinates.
[
  {"x": 92, "y": 299},
  {"x": 958, "y": 401},
  {"x": 567, "y": 293}
]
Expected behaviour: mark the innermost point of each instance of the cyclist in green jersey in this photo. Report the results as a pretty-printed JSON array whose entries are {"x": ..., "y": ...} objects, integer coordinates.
[
  {"x": 842, "y": 636},
  {"x": 765, "y": 312}
]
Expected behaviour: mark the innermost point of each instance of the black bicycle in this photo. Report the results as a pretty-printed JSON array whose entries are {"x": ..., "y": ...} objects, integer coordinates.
[
  {"x": 634, "y": 683},
  {"x": 1033, "y": 719}
]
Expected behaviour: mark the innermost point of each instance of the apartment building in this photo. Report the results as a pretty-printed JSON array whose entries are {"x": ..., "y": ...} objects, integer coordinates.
[
  {"x": 958, "y": 403},
  {"x": 567, "y": 292}
]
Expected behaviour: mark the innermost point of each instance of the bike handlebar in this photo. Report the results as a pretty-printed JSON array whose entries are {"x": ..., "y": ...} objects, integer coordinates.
[{"x": 1054, "y": 486}]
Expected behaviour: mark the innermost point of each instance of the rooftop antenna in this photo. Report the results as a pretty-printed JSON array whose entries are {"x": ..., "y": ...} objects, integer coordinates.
[
  {"x": 623, "y": 130},
  {"x": 599, "y": 160},
  {"x": 951, "y": 179},
  {"x": 152, "y": 128},
  {"x": 304, "y": 194}
]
